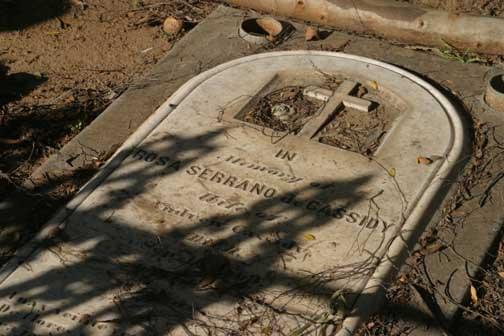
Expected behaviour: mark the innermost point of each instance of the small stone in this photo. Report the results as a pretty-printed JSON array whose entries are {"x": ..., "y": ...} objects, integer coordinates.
[
  {"x": 311, "y": 33},
  {"x": 283, "y": 112},
  {"x": 424, "y": 160},
  {"x": 172, "y": 25}
]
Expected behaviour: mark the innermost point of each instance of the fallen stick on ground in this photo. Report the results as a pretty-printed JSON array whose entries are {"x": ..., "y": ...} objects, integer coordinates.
[{"x": 395, "y": 21}]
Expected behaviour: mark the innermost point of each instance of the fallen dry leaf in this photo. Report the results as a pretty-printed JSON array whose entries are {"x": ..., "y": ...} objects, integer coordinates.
[
  {"x": 311, "y": 33},
  {"x": 501, "y": 274},
  {"x": 474, "y": 295},
  {"x": 424, "y": 160},
  {"x": 433, "y": 247},
  {"x": 374, "y": 85},
  {"x": 308, "y": 236},
  {"x": 172, "y": 25},
  {"x": 392, "y": 172},
  {"x": 460, "y": 212}
]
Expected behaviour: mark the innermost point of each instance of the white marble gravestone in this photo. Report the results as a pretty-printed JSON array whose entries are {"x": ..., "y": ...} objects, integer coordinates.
[{"x": 218, "y": 218}]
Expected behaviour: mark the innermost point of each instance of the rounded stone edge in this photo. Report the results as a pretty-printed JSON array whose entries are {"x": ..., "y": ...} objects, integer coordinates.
[
  {"x": 493, "y": 97},
  {"x": 282, "y": 28},
  {"x": 254, "y": 38},
  {"x": 374, "y": 285}
]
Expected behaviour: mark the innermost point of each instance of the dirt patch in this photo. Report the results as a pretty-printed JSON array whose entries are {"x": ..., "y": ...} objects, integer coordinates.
[
  {"x": 288, "y": 110},
  {"x": 61, "y": 64},
  {"x": 476, "y": 7},
  {"x": 489, "y": 309},
  {"x": 359, "y": 131},
  {"x": 69, "y": 61},
  {"x": 283, "y": 110}
]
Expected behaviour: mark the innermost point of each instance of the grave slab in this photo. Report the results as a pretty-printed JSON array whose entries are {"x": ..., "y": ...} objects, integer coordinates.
[{"x": 240, "y": 206}]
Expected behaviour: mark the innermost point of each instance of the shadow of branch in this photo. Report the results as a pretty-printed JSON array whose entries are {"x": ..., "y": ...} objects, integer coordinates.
[
  {"x": 133, "y": 262},
  {"x": 20, "y": 14}
]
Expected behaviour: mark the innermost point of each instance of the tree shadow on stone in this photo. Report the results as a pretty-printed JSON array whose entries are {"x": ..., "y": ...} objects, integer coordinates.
[
  {"x": 20, "y": 14},
  {"x": 29, "y": 133},
  {"x": 162, "y": 277},
  {"x": 168, "y": 267}
]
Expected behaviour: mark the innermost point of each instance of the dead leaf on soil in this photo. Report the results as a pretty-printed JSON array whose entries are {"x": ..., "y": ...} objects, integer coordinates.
[
  {"x": 433, "y": 248},
  {"x": 424, "y": 160},
  {"x": 474, "y": 295},
  {"x": 392, "y": 172},
  {"x": 374, "y": 85},
  {"x": 309, "y": 236},
  {"x": 460, "y": 212}
]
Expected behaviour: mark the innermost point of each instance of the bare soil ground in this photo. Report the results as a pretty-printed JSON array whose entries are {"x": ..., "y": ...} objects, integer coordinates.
[
  {"x": 68, "y": 60},
  {"x": 62, "y": 62},
  {"x": 476, "y": 7}
]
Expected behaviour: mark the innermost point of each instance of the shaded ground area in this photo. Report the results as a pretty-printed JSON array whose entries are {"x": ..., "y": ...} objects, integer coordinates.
[
  {"x": 67, "y": 68},
  {"x": 20, "y": 14},
  {"x": 61, "y": 64}
]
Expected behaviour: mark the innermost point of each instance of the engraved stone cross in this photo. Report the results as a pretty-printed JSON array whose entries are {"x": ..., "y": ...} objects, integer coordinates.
[{"x": 334, "y": 100}]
